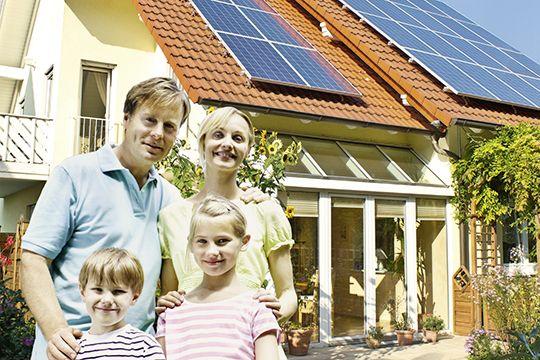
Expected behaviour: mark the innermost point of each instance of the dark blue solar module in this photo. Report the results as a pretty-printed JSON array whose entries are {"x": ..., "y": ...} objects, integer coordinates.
[
  {"x": 268, "y": 48},
  {"x": 465, "y": 57}
]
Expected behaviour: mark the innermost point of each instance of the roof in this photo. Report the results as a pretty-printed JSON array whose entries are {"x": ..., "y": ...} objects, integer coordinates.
[
  {"x": 210, "y": 75},
  {"x": 423, "y": 91},
  {"x": 381, "y": 72}
]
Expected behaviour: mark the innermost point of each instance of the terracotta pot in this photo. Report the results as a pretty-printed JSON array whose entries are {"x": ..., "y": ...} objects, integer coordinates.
[
  {"x": 299, "y": 341},
  {"x": 404, "y": 337},
  {"x": 373, "y": 343},
  {"x": 431, "y": 336},
  {"x": 283, "y": 337}
]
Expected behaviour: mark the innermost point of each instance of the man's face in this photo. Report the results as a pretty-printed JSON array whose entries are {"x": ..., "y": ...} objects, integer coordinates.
[{"x": 151, "y": 131}]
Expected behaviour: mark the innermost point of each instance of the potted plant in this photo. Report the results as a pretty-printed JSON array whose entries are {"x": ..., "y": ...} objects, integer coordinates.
[
  {"x": 403, "y": 330},
  {"x": 432, "y": 325},
  {"x": 374, "y": 337},
  {"x": 298, "y": 338}
]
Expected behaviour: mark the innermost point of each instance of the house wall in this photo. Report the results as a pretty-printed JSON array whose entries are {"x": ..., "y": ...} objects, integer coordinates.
[
  {"x": 15, "y": 206},
  {"x": 107, "y": 32}
]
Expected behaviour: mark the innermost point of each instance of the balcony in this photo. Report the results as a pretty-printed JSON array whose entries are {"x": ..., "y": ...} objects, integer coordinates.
[
  {"x": 94, "y": 133},
  {"x": 24, "y": 151}
]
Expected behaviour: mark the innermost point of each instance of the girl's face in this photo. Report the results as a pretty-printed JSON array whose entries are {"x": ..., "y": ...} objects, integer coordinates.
[
  {"x": 226, "y": 146},
  {"x": 215, "y": 247}
]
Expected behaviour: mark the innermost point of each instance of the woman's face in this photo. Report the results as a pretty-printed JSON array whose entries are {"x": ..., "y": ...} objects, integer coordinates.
[{"x": 226, "y": 147}]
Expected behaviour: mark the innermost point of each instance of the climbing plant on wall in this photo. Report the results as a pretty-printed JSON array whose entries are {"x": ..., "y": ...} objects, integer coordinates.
[{"x": 501, "y": 176}]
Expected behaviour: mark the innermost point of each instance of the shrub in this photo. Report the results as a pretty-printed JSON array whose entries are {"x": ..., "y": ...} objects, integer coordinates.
[
  {"x": 402, "y": 324},
  {"x": 484, "y": 345},
  {"x": 17, "y": 332},
  {"x": 433, "y": 323},
  {"x": 375, "y": 332}
]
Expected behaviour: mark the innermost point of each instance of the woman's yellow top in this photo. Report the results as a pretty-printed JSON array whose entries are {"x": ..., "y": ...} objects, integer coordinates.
[{"x": 266, "y": 223}]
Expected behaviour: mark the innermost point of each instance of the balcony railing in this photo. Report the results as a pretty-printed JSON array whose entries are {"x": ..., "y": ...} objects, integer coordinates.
[
  {"x": 24, "y": 139},
  {"x": 92, "y": 134}
]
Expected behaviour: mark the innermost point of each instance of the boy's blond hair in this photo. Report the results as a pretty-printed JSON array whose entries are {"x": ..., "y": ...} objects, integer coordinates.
[
  {"x": 214, "y": 206},
  {"x": 113, "y": 266},
  {"x": 157, "y": 92},
  {"x": 220, "y": 118}
]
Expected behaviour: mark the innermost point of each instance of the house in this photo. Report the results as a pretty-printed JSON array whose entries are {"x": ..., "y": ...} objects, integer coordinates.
[{"x": 372, "y": 187}]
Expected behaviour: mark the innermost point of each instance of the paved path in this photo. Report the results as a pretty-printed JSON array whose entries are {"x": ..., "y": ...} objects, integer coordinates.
[{"x": 445, "y": 349}]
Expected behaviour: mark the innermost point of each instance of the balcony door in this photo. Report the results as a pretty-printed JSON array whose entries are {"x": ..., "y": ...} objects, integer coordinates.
[{"x": 93, "y": 119}]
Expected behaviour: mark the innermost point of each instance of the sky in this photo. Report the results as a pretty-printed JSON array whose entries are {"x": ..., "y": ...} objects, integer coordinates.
[{"x": 515, "y": 21}]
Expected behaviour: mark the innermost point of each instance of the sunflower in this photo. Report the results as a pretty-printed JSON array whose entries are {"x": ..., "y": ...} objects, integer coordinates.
[
  {"x": 272, "y": 149},
  {"x": 289, "y": 212},
  {"x": 277, "y": 144}
]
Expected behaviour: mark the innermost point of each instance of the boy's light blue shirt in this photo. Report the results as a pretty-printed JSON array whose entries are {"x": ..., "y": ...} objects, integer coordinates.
[{"x": 92, "y": 202}]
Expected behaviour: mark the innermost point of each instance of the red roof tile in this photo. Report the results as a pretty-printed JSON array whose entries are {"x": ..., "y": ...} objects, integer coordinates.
[
  {"x": 210, "y": 75},
  {"x": 425, "y": 92}
]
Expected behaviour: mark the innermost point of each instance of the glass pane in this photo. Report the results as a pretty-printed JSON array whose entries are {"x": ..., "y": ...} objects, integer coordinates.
[
  {"x": 431, "y": 260},
  {"x": 304, "y": 165},
  {"x": 347, "y": 267},
  {"x": 94, "y": 94},
  {"x": 391, "y": 299},
  {"x": 331, "y": 158},
  {"x": 304, "y": 256},
  {"x": 412, "y": 166},
  {"x": 374, "y": 162}
]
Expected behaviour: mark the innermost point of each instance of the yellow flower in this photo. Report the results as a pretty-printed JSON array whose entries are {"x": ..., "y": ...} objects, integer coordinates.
[
  {"x": 210, "y": 110},
  {"x": 289, "y": 212},
  {"x": 198, "y": 171},
  {"x": 263, "y": 135},
  {"x": 262, "y": 149},
  {"x": 277, "y": 144},
  {"x": 272, "y": 149}
]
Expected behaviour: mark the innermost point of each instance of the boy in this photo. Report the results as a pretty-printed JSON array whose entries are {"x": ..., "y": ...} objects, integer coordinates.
[{"x": 110, "y": 282}]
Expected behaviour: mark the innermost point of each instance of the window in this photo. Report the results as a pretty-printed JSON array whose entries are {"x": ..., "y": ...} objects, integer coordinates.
[
  {"x": 94, "y": 108},
  {"x": 48, "y": 91}
]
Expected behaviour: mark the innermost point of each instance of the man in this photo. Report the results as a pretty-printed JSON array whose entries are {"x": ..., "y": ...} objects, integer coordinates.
[{"x": 108, "y": 198}]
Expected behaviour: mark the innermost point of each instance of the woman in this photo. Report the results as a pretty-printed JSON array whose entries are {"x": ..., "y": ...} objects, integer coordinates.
[{"x": 225, "y": 139}]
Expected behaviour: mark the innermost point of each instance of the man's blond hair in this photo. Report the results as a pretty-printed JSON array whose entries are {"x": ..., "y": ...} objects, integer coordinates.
[
  {"x": 220, "y": 118},
  {"x": 157, "y": 92},
  {"x": 113, "y": 267}
]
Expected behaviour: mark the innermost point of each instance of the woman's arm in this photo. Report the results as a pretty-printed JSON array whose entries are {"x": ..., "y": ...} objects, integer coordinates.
[
  {"x": 170, "y": 295},
  {"x": 280, "y": 265},
  {"x": 266, "y": 347}
]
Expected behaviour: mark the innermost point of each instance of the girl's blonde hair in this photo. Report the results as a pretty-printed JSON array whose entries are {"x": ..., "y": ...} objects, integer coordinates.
[
  {"x": 220, "y": 118},
  {"x": 214, "y": 206},
  {"x": 113, "y": 266}
]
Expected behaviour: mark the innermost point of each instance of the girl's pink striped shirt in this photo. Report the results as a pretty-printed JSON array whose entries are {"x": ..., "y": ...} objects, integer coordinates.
[{"x": 224, "y": 329}]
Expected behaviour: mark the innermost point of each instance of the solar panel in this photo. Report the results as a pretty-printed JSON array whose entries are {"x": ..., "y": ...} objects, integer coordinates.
[
  {"x": 268, "y": 48},
  {"x": 465, "y": 57}
]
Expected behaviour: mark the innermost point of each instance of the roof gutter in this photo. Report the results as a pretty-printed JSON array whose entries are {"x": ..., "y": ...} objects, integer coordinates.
[
  {"x": 475, "y": 124},
  {"x": 307, "y": 116}
]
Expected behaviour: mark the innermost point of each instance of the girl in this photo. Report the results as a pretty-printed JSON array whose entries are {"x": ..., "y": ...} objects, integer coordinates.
[
  {"x": 219, "y": 318},
  {"x": 225, "y": 139}
]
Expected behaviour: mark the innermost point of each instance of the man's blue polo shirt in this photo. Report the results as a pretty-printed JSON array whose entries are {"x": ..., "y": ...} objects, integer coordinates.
[{"x": 92, "y": 202}]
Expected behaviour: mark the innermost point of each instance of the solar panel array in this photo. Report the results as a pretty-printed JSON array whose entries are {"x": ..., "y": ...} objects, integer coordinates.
[
  {"x": 268, "y": 48},
  {"x": 462, "y": 55}
]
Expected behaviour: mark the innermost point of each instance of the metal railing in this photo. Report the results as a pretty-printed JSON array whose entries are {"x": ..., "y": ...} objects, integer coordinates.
[
  {"x": 92, "y": 133},
  {"x": 24, "y": 139}
]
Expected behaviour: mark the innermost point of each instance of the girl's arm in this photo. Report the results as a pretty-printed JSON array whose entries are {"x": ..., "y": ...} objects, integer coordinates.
[
  {"x": 266, "y": 347},
  {"x": 161, "y": 341},
  {"x": 280, "y": 265}
]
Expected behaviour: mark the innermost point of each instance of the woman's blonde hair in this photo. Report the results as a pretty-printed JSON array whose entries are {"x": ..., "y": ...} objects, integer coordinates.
[
  {"x": 214, "y": 206},
  {"x": 217, "y": 119},
  {"x": 113, "y": 266}
]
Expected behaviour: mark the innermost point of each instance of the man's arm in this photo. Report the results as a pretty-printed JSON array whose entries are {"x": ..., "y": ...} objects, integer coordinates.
[{"x": 39, "y": 293}]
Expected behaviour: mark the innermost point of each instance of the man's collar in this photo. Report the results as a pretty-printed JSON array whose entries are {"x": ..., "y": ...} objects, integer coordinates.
[{"x": 109, "y": 162}]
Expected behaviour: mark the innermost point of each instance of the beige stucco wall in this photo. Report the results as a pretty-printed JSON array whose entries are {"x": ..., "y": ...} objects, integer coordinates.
[
  {"x": 107, "y": 32},
  {"x": 15, "y": 206}
]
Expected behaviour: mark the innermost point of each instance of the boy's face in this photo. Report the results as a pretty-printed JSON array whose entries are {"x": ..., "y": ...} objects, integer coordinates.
[
  {"x": 151, "y": 131},
  {"x": 107, "y": 305},
  {"x": 215, "y": 247}
]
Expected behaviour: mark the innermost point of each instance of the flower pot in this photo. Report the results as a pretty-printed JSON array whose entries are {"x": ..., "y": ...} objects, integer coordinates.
[
  {"x": 373, "y": 343},
  {"x": 299, "y": 341},
  {"x": 283, "y": 337},
  {"x": 404, "y": 337},
  {"x": 431, "y": 336}
]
